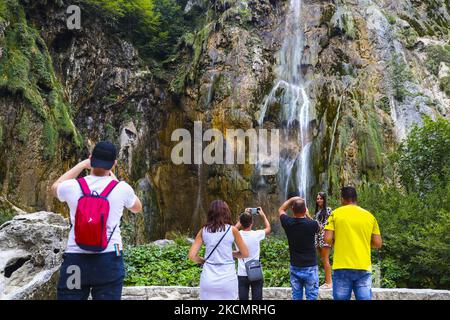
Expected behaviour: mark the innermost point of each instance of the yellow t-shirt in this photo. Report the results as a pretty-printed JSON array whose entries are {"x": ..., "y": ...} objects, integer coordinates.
[{"x": 353, "y": 228}]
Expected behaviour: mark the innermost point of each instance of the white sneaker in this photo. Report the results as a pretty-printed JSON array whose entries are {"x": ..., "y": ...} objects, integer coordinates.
[{"x": 326, "y": 286}]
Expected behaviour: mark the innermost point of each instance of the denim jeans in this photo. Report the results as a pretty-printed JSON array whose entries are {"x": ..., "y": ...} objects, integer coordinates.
[
  {"x": 347, "y": 280},
  {"x": 244, "y": 287},
  {"x": 308, "y": 278},
  {"x": 99, "y": 274}
]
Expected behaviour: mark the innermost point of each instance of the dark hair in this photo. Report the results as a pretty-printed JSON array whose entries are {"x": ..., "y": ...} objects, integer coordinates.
[
  {"x": 299, "y": 206},
  {"x": 246, "y": 219},
  {"x": 323, "y": 195},
  {"x": 219, "y": 215},
  {"x": 349, "y": 193}
]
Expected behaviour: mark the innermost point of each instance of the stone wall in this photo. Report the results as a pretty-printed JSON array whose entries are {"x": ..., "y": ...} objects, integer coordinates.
[{"x": 189, "y": 293}]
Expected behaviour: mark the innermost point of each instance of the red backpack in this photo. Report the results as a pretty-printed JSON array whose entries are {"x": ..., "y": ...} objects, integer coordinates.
[{"x": 91, "y": 218}]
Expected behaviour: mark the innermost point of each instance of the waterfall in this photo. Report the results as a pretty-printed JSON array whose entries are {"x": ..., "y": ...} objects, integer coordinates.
[
  {"x": 198, "y": 204},
  {"x": 289, "y": 91}
]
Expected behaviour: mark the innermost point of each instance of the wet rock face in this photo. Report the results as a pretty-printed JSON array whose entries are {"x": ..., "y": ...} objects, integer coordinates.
[
  {"x": 31, "y": 249},
  {"x": 112, "y": 96}
]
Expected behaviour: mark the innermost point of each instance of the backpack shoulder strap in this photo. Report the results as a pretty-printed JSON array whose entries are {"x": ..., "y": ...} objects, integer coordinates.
[
  {"x": 109, "y": 188},
  {"x": 84, "y": 186}
]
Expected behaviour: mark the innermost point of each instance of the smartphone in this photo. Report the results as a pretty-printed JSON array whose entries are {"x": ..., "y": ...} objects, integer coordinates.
[{"x": 254, "y": 211}]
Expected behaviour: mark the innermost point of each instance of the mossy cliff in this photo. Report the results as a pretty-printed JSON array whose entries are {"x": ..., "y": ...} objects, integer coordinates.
[{"x": 373, "y": 69}]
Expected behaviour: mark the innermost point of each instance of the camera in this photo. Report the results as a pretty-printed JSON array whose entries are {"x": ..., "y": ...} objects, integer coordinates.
[{"x": 254, "y": 211}]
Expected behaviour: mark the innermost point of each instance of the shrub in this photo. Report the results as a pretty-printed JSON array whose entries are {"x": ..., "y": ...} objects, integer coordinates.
[
  {"x": 445, "y": 85},
  {"x": 400, "y": 73},
  {"x": 416, "y": 246},
  {"x": 424, "y": 157},
  {"x": 437, "y": 54},
  {"x": 154, "y": 26}
]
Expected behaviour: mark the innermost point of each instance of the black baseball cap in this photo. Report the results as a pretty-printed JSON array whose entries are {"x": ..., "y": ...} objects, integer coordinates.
[{"x": 104, "y": 155}]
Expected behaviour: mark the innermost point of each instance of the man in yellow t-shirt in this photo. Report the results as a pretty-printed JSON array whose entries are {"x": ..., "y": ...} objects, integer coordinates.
[{"x": 352, "y": 231}]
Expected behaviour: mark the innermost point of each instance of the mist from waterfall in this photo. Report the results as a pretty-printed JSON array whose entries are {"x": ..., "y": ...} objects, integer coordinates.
[{"x": 289, "y": 91}]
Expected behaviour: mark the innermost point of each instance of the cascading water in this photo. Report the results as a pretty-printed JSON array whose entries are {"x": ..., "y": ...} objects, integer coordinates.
[{"x": 289, "y": 91}]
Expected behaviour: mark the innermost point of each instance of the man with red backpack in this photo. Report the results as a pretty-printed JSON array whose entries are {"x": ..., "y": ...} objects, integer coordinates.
[{"x": 93, "y": 262}]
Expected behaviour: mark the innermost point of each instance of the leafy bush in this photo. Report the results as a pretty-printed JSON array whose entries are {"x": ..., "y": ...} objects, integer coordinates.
[
  {"x": 437, "y": 54},
  {"x": 400, "y": 73},
  {"x": 444, "y": 84},
  {"x": 5, "y": 215},
  {"x": 169, "y": 266},
  {"x": 148, "y": 265},
  {"x": 424, "y": 157},
  {"x": 416, "y": 245}
]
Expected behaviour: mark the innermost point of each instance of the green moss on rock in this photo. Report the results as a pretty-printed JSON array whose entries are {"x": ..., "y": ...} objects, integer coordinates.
[
  {"x": 343, "y": 22},
  {"x": 26, "y": 70},
  {"x": 445, "y": 85},
  {"x": 23, "y": 127}
]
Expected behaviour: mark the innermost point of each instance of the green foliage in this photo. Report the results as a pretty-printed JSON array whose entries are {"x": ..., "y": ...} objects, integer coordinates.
[
  {"x": 409, "y": 37},
  {"x": 392, "y": 19},
  {"x": 275, "y": 261},
  {"x": 168, "y": 266},
  {"x": 416, "y": 243},
  {"x": 171, "y": 28},
  {"x": 154, "y": 26},
  {"x": 445, "y": 85},
  {"x": 5, "y": 215},
  {"x": 436, "y": 55},
  {"x": 424, "y": 157},
  {"x": 400, "y": 73},
  {"x": 152, "y": 265}
]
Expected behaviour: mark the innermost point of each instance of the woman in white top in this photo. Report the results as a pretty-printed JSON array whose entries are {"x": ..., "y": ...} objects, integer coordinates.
[
  {"x": 252, "y": 239},
  {"x": 218, "y": 280}
]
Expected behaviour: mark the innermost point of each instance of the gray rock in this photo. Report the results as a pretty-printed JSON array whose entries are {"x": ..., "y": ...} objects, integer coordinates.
[
  {"x": 31, "y": 248},
  {"x": 163, "y": 243},
  {"x": 192, "y": 293}
]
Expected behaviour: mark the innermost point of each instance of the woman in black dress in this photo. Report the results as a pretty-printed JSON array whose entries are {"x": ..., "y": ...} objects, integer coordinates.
[{"x": 321, "y": 215}]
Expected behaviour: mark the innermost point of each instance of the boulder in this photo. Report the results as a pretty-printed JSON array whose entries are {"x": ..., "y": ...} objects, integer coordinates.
[
  {"x": 31, "y": 249},
  {"x": 163, "y": 243}
]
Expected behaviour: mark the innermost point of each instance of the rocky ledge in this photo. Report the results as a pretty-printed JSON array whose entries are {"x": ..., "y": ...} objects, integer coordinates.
[
  {"x": 31, "y": 248},
  {"x": 189, "y": 293}
]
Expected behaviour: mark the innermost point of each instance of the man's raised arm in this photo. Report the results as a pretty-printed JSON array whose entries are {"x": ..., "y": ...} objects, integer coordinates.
[
  {"x": 282, "y": 210},
  {"x": 71, "y": 174}
]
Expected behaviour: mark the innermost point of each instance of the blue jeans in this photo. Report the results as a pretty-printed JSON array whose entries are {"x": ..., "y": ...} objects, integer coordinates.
[
  {"x": 347, "y": 280},
  {"x": 308, "y": 278},
  {"x": 100, "y": 274}
]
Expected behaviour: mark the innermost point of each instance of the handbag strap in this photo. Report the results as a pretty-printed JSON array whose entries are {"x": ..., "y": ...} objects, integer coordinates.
[{"x": 209, "y": 255}]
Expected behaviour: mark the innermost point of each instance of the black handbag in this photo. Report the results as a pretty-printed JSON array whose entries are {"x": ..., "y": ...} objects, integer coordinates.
[{"x": 254, "y": 270}]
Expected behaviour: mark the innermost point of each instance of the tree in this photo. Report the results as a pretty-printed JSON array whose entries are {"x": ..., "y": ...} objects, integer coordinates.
[
  {"x": 423, "y": 159},
  {"x": 154, "y": 26}
]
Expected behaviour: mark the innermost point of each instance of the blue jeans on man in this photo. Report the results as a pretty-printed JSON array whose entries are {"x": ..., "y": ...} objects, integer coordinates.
[
  {"x": 100, "y": 275},
  {"x": 347, "y": 280},
  {"x": 306, "y": 278}
]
